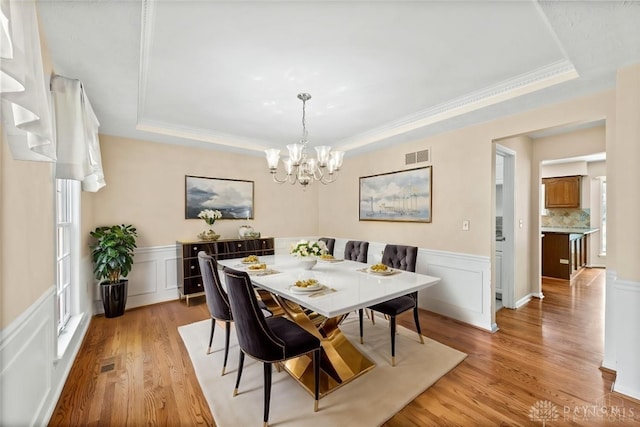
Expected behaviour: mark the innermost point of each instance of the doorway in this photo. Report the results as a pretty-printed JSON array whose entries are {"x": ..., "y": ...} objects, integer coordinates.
[{"x": 504, "y": 260}]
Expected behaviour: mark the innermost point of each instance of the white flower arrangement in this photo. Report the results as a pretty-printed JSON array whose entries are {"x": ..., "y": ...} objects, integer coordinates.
[
  {"x": 308, "y": 248},
  {"x": 210, "y": 215}
]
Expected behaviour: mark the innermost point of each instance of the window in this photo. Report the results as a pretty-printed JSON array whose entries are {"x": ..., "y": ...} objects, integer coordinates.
[
  {"x": 67, "y": 218},
  {"x": 603, "y": 216}
]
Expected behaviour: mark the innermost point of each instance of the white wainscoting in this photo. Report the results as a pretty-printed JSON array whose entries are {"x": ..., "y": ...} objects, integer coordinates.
[
  {"x": 464, "y": 290},
  {"x": 32, "y": 373},
  {"x": 626, "y": 318},
  {"x": 153, "y": 277},
  {"x": 27, "y": 355}
]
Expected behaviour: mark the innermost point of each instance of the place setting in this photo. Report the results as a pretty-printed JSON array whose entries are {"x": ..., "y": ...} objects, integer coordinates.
[
  {"x": 328, "y": 258},
  {"x": 311, "y": 288},
  {"x": 253, "y": 266},
  {"x": 380, "y": 269}
]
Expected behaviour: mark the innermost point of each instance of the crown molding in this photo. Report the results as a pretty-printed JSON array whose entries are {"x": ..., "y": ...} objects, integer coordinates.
[
  {"x": 223, "y": 139},
  {"x": 552, "y": 74},
  {"x": 541, "y": 78}
]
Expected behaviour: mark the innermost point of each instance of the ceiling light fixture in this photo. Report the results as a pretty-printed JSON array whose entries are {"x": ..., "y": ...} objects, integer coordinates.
[{"x": 300, "y": 168}]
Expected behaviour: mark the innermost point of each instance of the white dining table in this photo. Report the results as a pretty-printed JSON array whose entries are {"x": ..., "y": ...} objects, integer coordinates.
[{"x": 346, "y": 286}]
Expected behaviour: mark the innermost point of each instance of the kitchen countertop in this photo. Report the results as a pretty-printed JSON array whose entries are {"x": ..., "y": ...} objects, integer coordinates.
[{"x": 567, "y": 230}]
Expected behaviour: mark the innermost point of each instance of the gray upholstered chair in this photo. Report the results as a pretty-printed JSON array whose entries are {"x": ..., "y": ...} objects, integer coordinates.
[
  {"x": 356, "y": 251},
  {"x": 269, "y": 340},
  {"x": 217, "y": 300},
  {"x": 329, "y": 242},
  {"x": 401, "y": 258}
]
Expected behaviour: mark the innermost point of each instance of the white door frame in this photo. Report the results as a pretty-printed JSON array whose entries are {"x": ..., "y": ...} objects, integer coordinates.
[{"x": 508, "y": 226}]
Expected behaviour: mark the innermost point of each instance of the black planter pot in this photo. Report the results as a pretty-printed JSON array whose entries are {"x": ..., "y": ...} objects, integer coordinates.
[{"x": 114, "y": 297}]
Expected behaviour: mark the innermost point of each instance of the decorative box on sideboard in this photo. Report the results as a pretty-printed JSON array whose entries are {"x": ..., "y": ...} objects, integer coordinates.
[{"x": 189, "y": 278}]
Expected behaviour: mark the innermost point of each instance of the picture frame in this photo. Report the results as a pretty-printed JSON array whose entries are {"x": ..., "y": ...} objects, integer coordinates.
[
  {"x": 232, "y": 197},
  {"x": 401, "y": 196}
]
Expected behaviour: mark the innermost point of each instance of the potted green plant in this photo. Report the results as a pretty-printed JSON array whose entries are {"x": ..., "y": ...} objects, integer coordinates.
[{"x": 112, "y": 255}]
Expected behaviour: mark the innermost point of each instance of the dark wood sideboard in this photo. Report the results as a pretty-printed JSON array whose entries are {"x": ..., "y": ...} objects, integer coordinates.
[{"x": 189, "y": 279}]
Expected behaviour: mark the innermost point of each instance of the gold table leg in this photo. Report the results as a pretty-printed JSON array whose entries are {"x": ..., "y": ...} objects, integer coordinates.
[{"x": 341, "y": 363}]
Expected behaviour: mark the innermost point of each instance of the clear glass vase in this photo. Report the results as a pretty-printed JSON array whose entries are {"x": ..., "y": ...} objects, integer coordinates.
[{"x": 209, "y": 235}]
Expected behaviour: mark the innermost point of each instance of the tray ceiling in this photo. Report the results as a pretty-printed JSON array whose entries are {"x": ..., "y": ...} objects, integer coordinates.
[{"x": 226, "y": 74}]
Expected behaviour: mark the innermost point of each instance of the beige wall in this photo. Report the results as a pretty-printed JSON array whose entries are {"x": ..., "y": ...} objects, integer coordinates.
[
  {"x": 27, "y": 226},
  {"x": 571, "y": 144},
  {"x": 623, "y": 179},
  {"x": 146, "y": 187},
  {"x": 461, "y": 163},
  {"x": 462, "y": 181},
  {"x": 27, "y": 256},
  {"x": 464, "y": 187}
]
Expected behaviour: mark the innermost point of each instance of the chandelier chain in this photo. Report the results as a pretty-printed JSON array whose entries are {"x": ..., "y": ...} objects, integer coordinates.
[{"x": 305, "y": 134}]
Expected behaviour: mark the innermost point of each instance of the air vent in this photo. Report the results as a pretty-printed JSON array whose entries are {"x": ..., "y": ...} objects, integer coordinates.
[
  {"x": 417, "y": 157},
  {"x": 409, "y": 158},
  {"x": 423, "y": 156}
]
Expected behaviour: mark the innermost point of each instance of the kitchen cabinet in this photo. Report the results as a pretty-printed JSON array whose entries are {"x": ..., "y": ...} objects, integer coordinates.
[
  {"x": 189, "y": 279},
  {"x": 562, "y": 192},
  {"x": 564, "y": 254}
]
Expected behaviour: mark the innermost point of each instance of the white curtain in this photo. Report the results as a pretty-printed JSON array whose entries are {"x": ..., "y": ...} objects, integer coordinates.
[
  {"x": 76, "y": 134},
  {"x": 26, "y": 112}
]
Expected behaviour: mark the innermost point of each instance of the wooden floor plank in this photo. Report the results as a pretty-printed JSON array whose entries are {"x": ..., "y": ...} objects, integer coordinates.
[{"x": 548, "y": 350}]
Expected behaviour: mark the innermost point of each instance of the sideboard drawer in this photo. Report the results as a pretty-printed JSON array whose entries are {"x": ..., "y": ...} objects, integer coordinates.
[
  {"x": 191, "y": 249},
  {"x": 193, "y": 285},
  {"x": 191, "y": 267}
]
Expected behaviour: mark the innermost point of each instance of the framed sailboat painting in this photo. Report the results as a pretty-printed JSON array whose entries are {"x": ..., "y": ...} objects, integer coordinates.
[{"x": 403, "y": 196}]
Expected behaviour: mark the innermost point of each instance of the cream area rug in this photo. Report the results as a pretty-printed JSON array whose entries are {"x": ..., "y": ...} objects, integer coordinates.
[{"x": 369, "y": 400}]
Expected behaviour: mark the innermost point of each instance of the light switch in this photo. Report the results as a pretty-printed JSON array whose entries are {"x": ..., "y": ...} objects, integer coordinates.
[
  {"x": 521, "y": 223},
  {"x": 465, "y": 225}
]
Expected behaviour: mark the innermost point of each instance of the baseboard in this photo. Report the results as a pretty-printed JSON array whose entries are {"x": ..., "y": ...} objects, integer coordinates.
[
  {"x": 524, "y": 300},
  {"x": 607, "y": 370}
]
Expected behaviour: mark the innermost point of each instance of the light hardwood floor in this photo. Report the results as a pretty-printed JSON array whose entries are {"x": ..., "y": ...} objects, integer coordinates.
[{"x": 134, "y": 369}]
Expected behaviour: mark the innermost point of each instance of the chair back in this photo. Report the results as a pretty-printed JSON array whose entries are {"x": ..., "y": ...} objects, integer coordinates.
[
  {"x": 329, "y": 242},
  {"x": 217, "y": 298},
  {"x": 356, "y": 251},
  {"x": 254, "y": 335},
  {"x": 400, "y": 257}
]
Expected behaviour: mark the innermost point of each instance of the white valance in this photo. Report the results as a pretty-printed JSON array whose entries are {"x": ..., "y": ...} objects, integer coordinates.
[
  {"x": 76, "y": 134},
  {"x": 26, "y": 112}
]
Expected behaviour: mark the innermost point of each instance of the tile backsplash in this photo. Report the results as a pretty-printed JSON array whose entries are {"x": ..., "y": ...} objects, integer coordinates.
[{"x": 571, "y": 218}]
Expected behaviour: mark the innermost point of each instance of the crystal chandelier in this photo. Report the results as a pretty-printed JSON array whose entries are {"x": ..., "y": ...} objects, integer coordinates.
[{"x": 298, "y": 166}]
